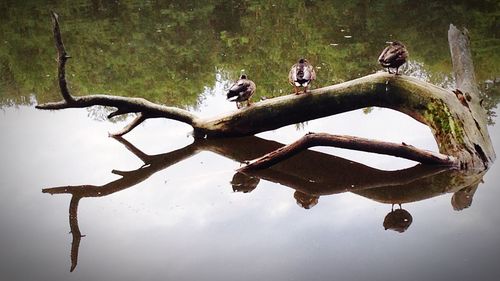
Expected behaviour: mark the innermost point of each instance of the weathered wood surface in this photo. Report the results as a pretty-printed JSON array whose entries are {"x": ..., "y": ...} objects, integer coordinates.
[
  {"x": 474, "y": 119},
  {"x": 456, "y": 120}
]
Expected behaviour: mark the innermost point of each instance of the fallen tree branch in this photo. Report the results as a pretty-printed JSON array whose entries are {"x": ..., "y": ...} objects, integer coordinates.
[
  {"x": 62, "y": 57},
  {"x": 138, "y": 120},
  {"x": 321, "y": 139},
  {"x": 124, "y": 105},
  {"x": 456, "y": 122}
]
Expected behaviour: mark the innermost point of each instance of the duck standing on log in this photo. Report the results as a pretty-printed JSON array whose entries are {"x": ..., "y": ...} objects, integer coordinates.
[
  {"x": 393, "y": 56},
  {"x": 241, "y": 91},
  {"x": 301, "y": 75}
]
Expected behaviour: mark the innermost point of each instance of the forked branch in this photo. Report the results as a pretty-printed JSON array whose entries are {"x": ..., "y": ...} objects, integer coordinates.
[
  {"x": 145, "y": 108},
  {"x": 456, "y": 123}
]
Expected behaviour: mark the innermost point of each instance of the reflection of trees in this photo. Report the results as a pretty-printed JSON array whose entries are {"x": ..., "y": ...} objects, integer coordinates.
[
  {"x": 161, "y": 51},
  {"x": 167, "y": 51},
  {"x": 490, "y": 93},
  {"x": 312, "y": 174}
]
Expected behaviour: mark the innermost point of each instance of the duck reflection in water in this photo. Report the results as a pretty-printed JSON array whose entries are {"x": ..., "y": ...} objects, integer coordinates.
[
  {"x": 462, "y": 199},
  {"x": 304, "y": 200},
  {"x": 398, "y": 220},
  {"x": 244, "y": 183},
  {"x": 305, "y": 173}
]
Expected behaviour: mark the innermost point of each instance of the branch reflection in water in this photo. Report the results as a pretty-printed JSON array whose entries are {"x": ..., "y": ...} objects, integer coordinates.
[{"x": 311, "y": 174}]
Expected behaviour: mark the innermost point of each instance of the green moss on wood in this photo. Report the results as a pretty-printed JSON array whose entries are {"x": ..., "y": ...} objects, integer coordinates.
[{"x": 448, "y": 128}]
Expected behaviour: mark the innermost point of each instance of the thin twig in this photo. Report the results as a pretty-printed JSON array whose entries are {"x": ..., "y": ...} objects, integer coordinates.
[{"x": 138, "y": 120}]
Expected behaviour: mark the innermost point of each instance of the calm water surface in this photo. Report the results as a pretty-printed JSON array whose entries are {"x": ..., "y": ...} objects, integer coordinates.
[{"x": 158, "y": 206}]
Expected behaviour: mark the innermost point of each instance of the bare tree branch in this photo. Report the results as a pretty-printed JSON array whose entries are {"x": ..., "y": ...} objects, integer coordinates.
[
  {"x": 456, "y": 121},
  {"x": 124, "y": 105},
  {"x": 62, "y": 57},
  {"x": 138, "y": 120},
  {"x": 348, "y": 142}
]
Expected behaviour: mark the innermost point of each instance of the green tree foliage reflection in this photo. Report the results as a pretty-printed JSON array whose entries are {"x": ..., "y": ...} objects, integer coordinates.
[{"x": 172, "y": 51}]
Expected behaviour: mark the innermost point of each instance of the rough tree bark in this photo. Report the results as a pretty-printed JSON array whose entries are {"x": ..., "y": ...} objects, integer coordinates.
[
  {"x": 454, "y": 118},
  {"x": 458, "y": 121}
]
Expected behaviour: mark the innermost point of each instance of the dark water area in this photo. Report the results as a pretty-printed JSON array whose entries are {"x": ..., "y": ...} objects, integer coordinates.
[{"x": 157, "y": 205}]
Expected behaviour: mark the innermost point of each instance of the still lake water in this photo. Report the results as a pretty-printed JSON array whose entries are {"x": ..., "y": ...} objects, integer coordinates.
[{"x": 180, "y": 213}]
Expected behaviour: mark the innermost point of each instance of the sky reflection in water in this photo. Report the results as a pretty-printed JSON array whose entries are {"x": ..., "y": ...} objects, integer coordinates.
[{"x": 185, "y": 222}]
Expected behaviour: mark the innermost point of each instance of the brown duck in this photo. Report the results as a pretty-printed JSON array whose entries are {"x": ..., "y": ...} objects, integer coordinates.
[
  {"x": 241, "y": 91},
  {"x": 301, "y": 75},
  {"x": 393, "y": 56}
]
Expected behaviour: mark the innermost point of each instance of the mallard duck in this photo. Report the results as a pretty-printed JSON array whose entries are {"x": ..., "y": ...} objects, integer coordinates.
[
  {"x": 393, "y": 56},
  {"x": 241, "y": 91},
  {"x": 301, "y": 75}
]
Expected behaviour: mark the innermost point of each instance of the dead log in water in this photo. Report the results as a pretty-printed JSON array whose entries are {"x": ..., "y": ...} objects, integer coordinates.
[{"x": 456, "y": 119}]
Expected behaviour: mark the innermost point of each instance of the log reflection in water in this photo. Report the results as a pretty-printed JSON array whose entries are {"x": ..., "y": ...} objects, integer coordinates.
[
  {"x": 152, "y": 164},
  {"x": 311, "y": 174}
]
